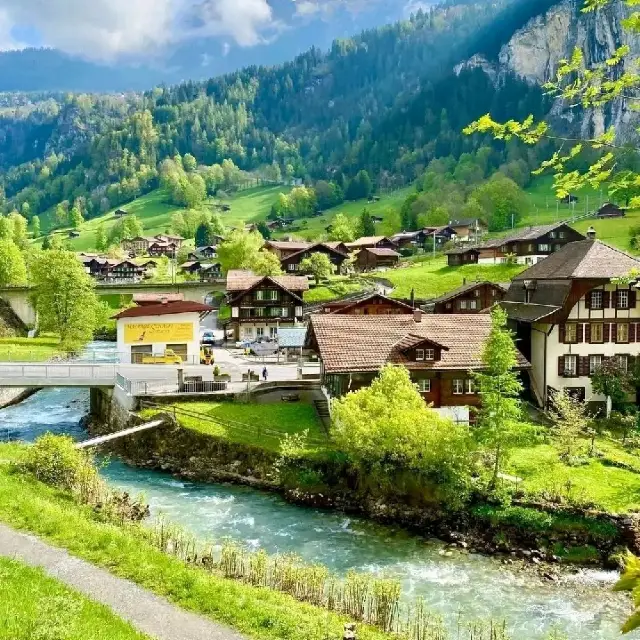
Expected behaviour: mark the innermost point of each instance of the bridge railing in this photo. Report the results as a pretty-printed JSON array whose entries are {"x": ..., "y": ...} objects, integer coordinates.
[
  {"x": 58, "y": 371},
  {"x": 138, "y": 388}
]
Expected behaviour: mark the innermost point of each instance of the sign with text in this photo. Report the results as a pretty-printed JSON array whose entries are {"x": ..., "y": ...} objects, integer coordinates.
[{"x": 151, "y": 333}]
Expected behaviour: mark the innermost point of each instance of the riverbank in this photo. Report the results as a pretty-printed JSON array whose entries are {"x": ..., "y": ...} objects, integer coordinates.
[{"x": 319, "y": 477}]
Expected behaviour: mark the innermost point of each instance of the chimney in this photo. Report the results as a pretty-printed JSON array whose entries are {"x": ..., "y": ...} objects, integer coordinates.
[
  {"x": 417, "y": 316},
  {"x": 591, "y": 233}
]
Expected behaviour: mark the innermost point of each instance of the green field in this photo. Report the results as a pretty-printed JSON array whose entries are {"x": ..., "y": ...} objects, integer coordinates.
[
  {"x": 32, "y": 606},
  {"x": 29, "y": 349},
  {"x": 432, "y": 278}
]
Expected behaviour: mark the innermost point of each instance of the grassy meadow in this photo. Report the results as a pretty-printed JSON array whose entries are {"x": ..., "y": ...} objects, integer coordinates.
[{"x": 29, "y": 349}]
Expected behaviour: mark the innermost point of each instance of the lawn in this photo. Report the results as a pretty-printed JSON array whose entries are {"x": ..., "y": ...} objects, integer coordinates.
[
  {"x": 331, "y": 290},
  {"x": 597, "y": 480},
  {"x": 257, "y": 612},
  {"x": 32, "y": 605},
  {"x": 261, "y": 425},
  {"x": 432, "y": 278},
  {"x": 29, "y": 349}
]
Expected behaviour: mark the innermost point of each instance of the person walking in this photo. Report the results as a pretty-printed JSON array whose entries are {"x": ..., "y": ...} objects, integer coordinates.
[{"x": 264, "y": 374}]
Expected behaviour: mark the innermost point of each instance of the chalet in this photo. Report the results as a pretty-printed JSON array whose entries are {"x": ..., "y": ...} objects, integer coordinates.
[
  {"x": 610, "y": 210},
  {"x": 473, "y": 297},
  {"x": 191, "y": 266},
  {"x": 371, "y": 259},
  {"x": 460, "y": 256},
  {"x": 528, "y": 245},
  {"x": 210, "y": 271},
  {"x": 138, "y": 245},
  {"x": 371, "y": 242},
  {"x": 160, "y": 245},
  {"x": 176, "y": 240},
  {"x": 203, "y": 253},
  {"x": 442, "y": 235},
  {"x": 338, "y": 246},
  {"x": 112, "y": 270},
  {"x": 571, "y": 314},
  {"x": 440, "y": 352},
  {"x": 373, "y": 305},
  {"x": 292, "y": 262},
  {"x": 285, "y": 248},
  {"x": 409, "y": 239},
  {"x": 120, "y": 213},
  {"x": 163, "y": 248},
  {"x": 468, "y": 229},
  {"x": 261, "y": 304}
]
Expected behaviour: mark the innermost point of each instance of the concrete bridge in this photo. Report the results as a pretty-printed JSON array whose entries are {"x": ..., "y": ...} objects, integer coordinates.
[{"x": 19, "y": 298}]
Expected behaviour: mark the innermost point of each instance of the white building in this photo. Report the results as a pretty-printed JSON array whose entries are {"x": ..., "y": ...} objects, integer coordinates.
[
  {"x": 572, "y": 311},
  {"x": 152, "y": 329}
]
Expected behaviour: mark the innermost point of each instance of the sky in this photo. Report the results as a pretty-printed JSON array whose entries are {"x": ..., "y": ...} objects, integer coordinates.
[{"x": 112, "y": 30}]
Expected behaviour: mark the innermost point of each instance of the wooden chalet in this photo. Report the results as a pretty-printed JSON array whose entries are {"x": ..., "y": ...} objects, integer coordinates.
[
  {"x": 378, "y": 258},
  {"x": 291, "y": 254},
  {"x": 468, "y": 229},
  {"x": 440, "y": 352},
  {"x": 373, "y": 305},
  {"x": 371, "y": 242},
  {"x": 610, "y": 210},
  {"x": 473, "y": 297},
  {"x": 261, "y": 304},
  {"x": 461, "y": 256}
]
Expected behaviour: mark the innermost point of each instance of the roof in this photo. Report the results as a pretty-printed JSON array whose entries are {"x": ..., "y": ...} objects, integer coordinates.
[
  {"x": 241, "y": 280},
  {"x": 406, "y": 234},
  {"x": 465, "y": 288},
  {"x": 313, "y": 247},
  {"x": 465, "y": 222},
  {"x": 378, "y": 296},
  {"x": 590, "y": 259},
  {"x": 461, "y": 250},
  {"x": 286, "y": 244},
  {"x": 292, "y": 337},
  {"x": 527, "y": 312},
  {"x": 527, "y": 233},
  {"x": 382, "y": 253},
  {"x": 151, "y": 298},
  {"x": 365, "y": 343},
  {"x": 164, "y": 309},
  {"x": 366, "y": 241}
]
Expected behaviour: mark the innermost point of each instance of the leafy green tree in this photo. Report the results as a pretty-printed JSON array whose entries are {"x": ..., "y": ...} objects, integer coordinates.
[
  {"x": 64, "y": 298},
  {"x": 35, "y": 226},
  {"x": 613, "y": 382},
  {"x": 319, "y": 265},
  {"x": 239, "y": 250},
  {"x": 46, "y": 243},
  {"x": 75, "y": 217},
  {"x": 13, "y": 270},
  {"x": 264, "y": 263},
  {"x": 571, "y": 422},
  {"x": 502, "y": 200},
  {"x": 25, "y": 209},
  {"x": 367, "y": 226},
  {"x": 360, "y": 187},
  {"x": 19, "y": 232},
  {"x": 341, "y": 229},
  {"x": 408, "y": 213},
  {"x": 61, "y": 215},
  {"x": 189, "y": 162},
  {"x": 203, "y": 238},
  {"x": 499, "y": 386},
  {"x": 102, "y": 240},
  {"x": 263, "y": 229},
  {"x": 388, "y": 427}
]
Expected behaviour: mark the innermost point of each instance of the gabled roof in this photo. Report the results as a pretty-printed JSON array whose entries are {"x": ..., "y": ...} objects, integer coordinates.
[
  {"x": 461, "y": 251},
  {"x": 241, "y": 280},
  {"x": 368, "y": 299},
  {"x": 349, "y": 344},
  {"x": 465, "y": 288},
  {"x": 382, "y": 253},
  {"x": 288, "y": 244},
  {"x": 365, "y": 241},
  {"x": 412, "y": 341},
  {"x": 156, "y": 298},
  {"x": 522, "y": 235},
  {"x": 315, "y": 247},
  {"x": 164, "y": 309},
  {"x": 527, "y": 312},
  {"x": 466, "y": 222},
  {"x": 590, "y": 259}
]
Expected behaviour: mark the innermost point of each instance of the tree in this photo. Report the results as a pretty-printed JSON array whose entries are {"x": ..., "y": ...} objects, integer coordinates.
[
  {"x": 239, "y": 250},
  {"x": 64, "y": 298},
  {"x": 360, "y": 187},
  {"x": 611, "y": 380},
  {"x": 61, "y": 215},
  {"x": 387, "y": 426},
  {"x": 502, "y": 200},
  {"x": 189, "y": 162},
  {"x": 341, "y": 229},
  {"x": 263, "y": 229},
  {"x": 35, "y": 226},
  {"x": 499, "y": 387},
  {"x": 19, "y": 231},
  {"x": 75, "y": 217},
  {"x": 6, "y": 228},
  {"x": 46, "y": 243},
  {"x": 12, "y": 265},
  {"x": 571, "y": 421},
  {"x": 102, "y": 241},
  {"x": 408, "y": 213},
  {"x": 319, "y": 265},
  {"x": 264, "y": 263},
  {"x": 367, "y": 226}
]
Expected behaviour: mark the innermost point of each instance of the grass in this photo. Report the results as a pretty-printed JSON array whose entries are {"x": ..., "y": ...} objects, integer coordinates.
[
  {"x": 331, "y": 290},
  {"x": 432, "y": 278},
  {"x": 610, "y": 487},
  {"x": 29, "y": 349},
  {"x": 261, "y": 425},
  {"x": 259, "y": 613},
  {"x": 32, "y": 605}
]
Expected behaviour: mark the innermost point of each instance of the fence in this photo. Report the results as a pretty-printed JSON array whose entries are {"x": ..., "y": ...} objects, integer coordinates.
[
  {"x": 45, "y": 374},
  {"x": 162, "y": 387}
]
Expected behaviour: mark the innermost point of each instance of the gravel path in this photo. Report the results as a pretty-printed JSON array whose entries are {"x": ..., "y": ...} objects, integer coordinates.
[{"x": 147, "y": 612}]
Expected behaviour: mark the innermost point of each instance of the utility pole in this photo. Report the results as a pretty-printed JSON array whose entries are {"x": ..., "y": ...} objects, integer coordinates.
[{"x": 434, "y": 243}]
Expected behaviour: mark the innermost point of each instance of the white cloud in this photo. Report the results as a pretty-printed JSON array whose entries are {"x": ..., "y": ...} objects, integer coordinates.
[
  {"x": 306, "y": 8},
  {"x": 107, "y": 29}
]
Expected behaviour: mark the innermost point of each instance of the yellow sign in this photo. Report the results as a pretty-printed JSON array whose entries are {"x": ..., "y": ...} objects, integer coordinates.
[{"x": 153, "y": 333}]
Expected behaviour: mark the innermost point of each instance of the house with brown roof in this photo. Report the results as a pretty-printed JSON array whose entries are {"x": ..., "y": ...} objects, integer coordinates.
[
  {"x": 468, "y": 229},
  {"x": 572, "y": 313},
  {"x": 375, "y": 304},
  {"x": 291, "y": 254},
  {"x": 528, "y": 245},
  {"x": 472, "y": 297},
  {"x": 440, "y": 352},
  {"x": 376, "y": 258},
  {"x": 462, "y": 255},
  {"x": 262, "y": 304},
  {"x": 371, "y": 242}
]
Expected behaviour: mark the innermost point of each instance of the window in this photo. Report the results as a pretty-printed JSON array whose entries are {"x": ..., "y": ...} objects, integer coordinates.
[
  {"x": 594, "y": 363},
  {"x": 552, "y": 235},
  {"x": 622, "y": 299},
  {"x": 597, "y": 334},
  {"x": 544, "y": 248},
  {"x": 285, "y": 312},
  {"x": 430, "y": 354},
  {"x": 597, "y": 299},
  {"x": 274, "y": 312},
  {"x": 298, "y": 311},
  {"x": 258, "y": 312},
  {"x": 248, "y": 332},
  {"x": 419, "y": 355},
  {"x": 470, "y": 385},
  {"x": 458, "y": 387},
  {"x": 235, "y": 312},
  {"x": 622, "y": 332},
  {"x": 531, "y": 248},
  {"x": 570, "y": 366},
  {"x": 273, "y": 294},
  {"x": 570, "y": 333},
  {"x": 292, "y": 267},
  {"x": 424, "y": 385},
  {"x": 463, "y": 304},
  {"x": 448, "y": 305},
  {"x": 273, "y": 331},
  {"x": 561, "y": 234},
  {"x": 623, "y": 362},
  {"x": 260, "y": 295},
  {"x": 259, "y": 332},
  {"x": 476, "y": 293},
  {"x": 473, "y": 304}
]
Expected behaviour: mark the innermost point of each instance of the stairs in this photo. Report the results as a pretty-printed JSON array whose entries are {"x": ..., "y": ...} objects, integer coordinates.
[{"x": 322, "y": 409}]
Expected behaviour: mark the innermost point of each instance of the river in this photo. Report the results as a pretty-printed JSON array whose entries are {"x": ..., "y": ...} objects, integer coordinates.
[{"x": 479, "y": 587}]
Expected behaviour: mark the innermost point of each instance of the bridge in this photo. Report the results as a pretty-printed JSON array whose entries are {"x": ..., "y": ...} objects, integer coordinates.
[{"x": 19, "y": 298}]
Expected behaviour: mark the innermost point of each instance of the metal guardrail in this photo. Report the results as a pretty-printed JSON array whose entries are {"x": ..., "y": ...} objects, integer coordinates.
[
  {"x": 58, "y": 371},
  {"x": 138, "y": 388}
]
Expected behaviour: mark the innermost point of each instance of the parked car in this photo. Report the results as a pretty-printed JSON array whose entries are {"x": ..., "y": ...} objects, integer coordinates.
[{"x": 168, "y": 357}]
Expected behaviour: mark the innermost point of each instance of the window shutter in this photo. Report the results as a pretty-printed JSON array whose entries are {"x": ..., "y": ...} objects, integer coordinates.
[
  {"x": 583, "y": 366},
  {"x": 580, "y": 333},
  {"x": 633, "y": 298},
  {"x": 587, "y": 300},
  {"x": 587, "y": 333},
  {"x": 606, "y": 299},
  {"x": 614, "y": 299},
  {"x": 606, "y": 333},
  {"x": 561, "y": 329},
  {"x": 561, "y": 366},
  {"x": 632, "y": 331}
]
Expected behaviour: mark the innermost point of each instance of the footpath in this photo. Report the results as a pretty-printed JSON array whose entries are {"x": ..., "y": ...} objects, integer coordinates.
[{"x": 146, "y": 611}]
